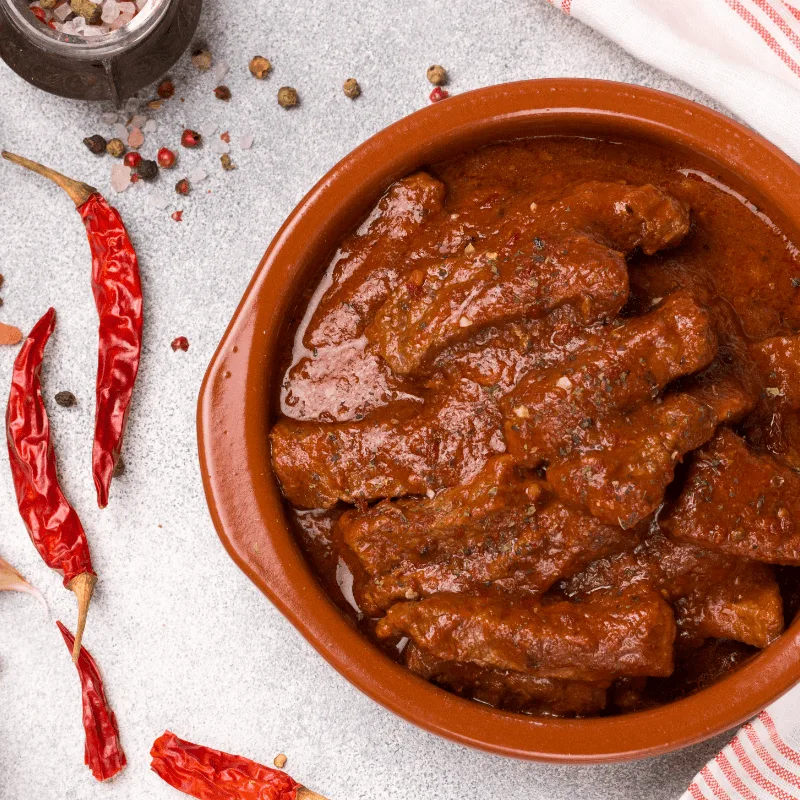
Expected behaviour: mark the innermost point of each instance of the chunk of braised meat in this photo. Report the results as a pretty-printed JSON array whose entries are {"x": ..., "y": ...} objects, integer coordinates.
[
  {"x": 627, "y": 462},
  {"x": 550, "y": 413},
  {"x": 511, "y": 691},
  {"x": 371, "y": 262},
  {"x": 629, "y": 633},
  {"x": 341, "y": 383},
  {"x": 497, "y": 531},
  {"x": 500, "y": 356},
  {"x": 714, "y": 595},
  {"x": 620, "y": 215},
  {"x": 527, "y": 277},
  {"x": 398, "y": 450},
  {"x": 778, "y": 360},
  {"x": 739, "y": 502}
]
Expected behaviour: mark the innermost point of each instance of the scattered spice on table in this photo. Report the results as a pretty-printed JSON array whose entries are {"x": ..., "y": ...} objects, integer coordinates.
[
  {"x": 180, "y": 343},
  {"x": 213, "y": 775},
  {"x": 103, "y": 753},
  {"x": 52, "y": 523},
  {"x": 132, "y": 159},
  {"x": 437, "y": 75},
  {"x": 226, "y": 137},
  {"x": 66, "y": 399},
  {"x": 222, "y": 93},
  {"x": 117, "y": 290},
  {"x": 177, "y": 216},
  {"x": 227, "y": 163},
  {"x": 12, "y": 581},
  {"x": 165, "y": 89},
  {"x": 9, "y": 334},
  {"x": 351, "y": 88},
  {"x": 202, "y": 59},
  {"x": 280, "y": 761},
  {"x": 95, "y": 144},
  {"x": 166, "y": 158},
  {"x": 190, "y": 138},
  {"x": 260, "y": 67},
  {"x": 147, "y": 169},
  {"x": 288, "y": 97},
  {"x": 439, "y": 94},
  {"x": 115, "y": 148},
  {"x": 182, "y": 186}
]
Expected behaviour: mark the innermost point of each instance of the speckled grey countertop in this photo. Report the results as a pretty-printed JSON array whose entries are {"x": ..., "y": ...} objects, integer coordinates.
[{"x": 184, "y": 640}]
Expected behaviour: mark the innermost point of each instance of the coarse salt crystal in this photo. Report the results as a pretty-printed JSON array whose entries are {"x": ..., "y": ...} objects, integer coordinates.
[
  {"x": 469, "y": 249},
  {"x": 219, "y": 147},
  {"x": 121, "y": 21},
  {"x": 246, "y": 142},
  {"x": 157, "y": 200},
  {"x": 119, "y": 131},
  {"x": 127, "y": 8},
  {"x": 137, "y": 121},
  {"x": 120, "y": 177},
  {"x": 62, "y": 11},
  {"x": 93, "y": 30},
  {"x": 465, "y": 322},
  {"x": 135, "y": 138},
  {"x": 207, "y": 129},
  {"x": 220, "y": 70},
  {"x": 131, "y": 104},
  {"x": 564, "y": 383},
  {"x": 109, "y": 117},
  {"x": 431, "y": 494},
  {"x": 522, "y": 412},
  {"x": 150, "y": 126},
  {"x": 198, "y": 174},
  {"x": 110, "y": 11}
]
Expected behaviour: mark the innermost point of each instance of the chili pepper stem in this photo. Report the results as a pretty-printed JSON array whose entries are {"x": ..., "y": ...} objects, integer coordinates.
[
  {"x": 307, "y": 794},
  {"x": 79, "y": 192},
  {"x": 83, "y": 586}
]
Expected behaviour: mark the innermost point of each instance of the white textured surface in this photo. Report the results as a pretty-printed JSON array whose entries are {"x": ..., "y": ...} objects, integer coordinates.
[{"x": 184, "y": 640}]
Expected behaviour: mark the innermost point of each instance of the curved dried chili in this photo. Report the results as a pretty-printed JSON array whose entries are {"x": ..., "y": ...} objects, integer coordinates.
[
  {"x": 52, "y": 523},
  {"x": 103, "y": 753},
  {"x": 213, "y": 775},
  {"x": 117, "y": 290}
]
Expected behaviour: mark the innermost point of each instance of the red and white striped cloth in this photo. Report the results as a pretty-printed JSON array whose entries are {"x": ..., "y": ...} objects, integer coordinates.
[
  {"x": 746, "y": 55},
  {"x": 743, "y": 53},
  {"x": 761, "y": 761}
]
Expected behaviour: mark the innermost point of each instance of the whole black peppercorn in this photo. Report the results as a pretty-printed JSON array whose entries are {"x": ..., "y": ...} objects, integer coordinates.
[
  {"x": 66, "y": 399},
  {"x": 96, "y": 144},
  {"x": 147, "y": 169}
]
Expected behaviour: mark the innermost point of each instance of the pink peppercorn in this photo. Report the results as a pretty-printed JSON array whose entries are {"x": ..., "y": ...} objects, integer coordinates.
[
  {"x": 166, "y": 158},
  {"x": 190, "y": 138},
  {"x": 180, "y": 343},
  {"x": 439, "y": 94},
  {"x": 131, "y": 159}
]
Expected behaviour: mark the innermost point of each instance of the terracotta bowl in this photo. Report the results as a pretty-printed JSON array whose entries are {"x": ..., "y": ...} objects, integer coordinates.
[{"x": 235, "y": 403}]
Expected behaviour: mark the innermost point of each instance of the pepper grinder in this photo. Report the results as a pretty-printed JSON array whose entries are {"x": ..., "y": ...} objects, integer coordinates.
[{"x": 112, "y": 66}]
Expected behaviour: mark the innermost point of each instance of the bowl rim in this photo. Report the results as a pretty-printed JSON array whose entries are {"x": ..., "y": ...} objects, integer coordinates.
[{"x": 236, "y": 399}]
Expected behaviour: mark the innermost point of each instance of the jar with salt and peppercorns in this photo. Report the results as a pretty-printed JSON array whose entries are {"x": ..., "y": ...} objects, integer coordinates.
[{"x": 109, "y": 66}]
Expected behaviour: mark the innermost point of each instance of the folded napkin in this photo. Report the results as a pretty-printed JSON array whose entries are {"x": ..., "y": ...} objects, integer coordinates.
[{"x": 746, "y": 55}]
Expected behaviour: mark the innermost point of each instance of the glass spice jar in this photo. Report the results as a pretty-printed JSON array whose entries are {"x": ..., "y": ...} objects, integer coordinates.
[{"x": 111, "y": 66}]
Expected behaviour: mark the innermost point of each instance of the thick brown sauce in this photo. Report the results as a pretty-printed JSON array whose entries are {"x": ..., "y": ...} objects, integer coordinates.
[{"x": 733, "y": 262}]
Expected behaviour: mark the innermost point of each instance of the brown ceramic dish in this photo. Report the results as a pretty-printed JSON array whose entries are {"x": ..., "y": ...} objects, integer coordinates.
[{"x": 235, "y": 403}]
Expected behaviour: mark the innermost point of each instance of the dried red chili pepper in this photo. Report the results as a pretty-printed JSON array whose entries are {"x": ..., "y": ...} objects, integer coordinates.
[
  {"x": 103, "y": 753},
  {"x": 213, "y": 775},
  {"x": 117, "y": 293},
  {"x": 51, "y": 521}
]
